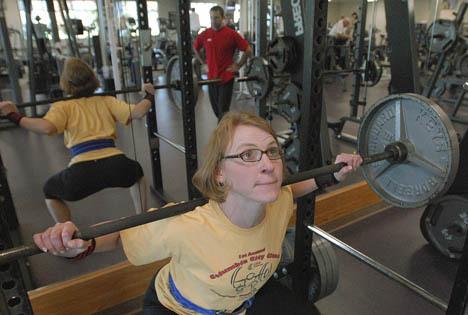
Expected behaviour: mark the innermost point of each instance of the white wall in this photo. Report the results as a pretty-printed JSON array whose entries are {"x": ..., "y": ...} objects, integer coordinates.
[
  {"x": 13, "y": 20},
  {"x": 12, "y": 15}
]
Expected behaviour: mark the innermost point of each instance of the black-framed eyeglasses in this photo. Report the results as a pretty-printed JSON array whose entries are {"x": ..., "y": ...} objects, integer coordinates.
[{"x": 255, "y": 155}]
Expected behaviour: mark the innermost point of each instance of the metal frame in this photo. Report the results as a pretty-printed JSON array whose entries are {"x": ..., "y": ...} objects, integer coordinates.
[
  {"x": 10, "y": 61},
  {"x": 458, "y": 304},
  {"x": 308, "y": 74},
  {"x": 315, "y": 18},
  {"x": 184, "y": 47},
  {"x": 357, "y": 78},
  {"x": 29, "y": 45},
  {"x": 188, "y": 100},
  {"x": 401, "y": 38},
  {"x": 69, "y": 28},
  {"x": 358, "y": 57},
  {"x": 261, "y": 45},
  {"x": 14, "y": 298},
  {"x": 53, "y": 21},
  {"x": 151, "y": 121}
]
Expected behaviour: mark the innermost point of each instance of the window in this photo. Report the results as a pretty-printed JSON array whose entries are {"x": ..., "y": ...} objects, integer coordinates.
[
  {"x": 203, "y": 10},
  {"x": 153, "y": 15},
  {"x": 85, "y": 10}
]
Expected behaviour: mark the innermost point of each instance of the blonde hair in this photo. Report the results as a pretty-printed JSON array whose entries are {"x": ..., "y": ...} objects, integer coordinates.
[
  {"x": 205, "y": 177},
  {"x": 78, "y": 79}
]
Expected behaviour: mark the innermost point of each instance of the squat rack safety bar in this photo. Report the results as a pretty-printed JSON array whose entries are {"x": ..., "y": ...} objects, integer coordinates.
[
  {"x": 380, "y": 268},
  {"x": 179, "y": 147}
]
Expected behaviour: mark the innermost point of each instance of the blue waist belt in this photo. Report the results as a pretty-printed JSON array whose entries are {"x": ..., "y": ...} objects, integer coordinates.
[
  {"x": 194, "y": 307},
  {"x": 91, "y": 146}
]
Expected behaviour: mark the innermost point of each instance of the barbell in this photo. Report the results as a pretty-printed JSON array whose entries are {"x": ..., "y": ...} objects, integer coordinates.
[
  {"x": 410, "y": 151},
  {"x": 259, "y": 80}
]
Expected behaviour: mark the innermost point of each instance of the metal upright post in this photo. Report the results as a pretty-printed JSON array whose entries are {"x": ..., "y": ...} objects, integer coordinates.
[
  {"x": 315, "y": 18},
  {"x": 147, "y": 70},
  {"x": 71, "y": 28},
  {"x": 402, "y": 41},
  {"x": 271, "y": 28},
  {"x": 32, "y": 86},
  {"x": 70, "y": 33},
  {"x": 112, "y": 38},
  {"x": 14, "y": 297},
  {"x": 309, "y": 31},
  {"x": 10, "y": 61},
  {"x": 53, "y": 21},
  {"x": 184, "y": 47},
  {"x": 458, "y": 304},
  {"x": 261, "y": 45},
  {"x": 358, "y": 58}
]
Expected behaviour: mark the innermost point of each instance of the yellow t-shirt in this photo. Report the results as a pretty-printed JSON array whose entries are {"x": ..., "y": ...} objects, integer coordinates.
[
  {"x": 214, "y": 263},
  {"x": 89, "y": 118}
]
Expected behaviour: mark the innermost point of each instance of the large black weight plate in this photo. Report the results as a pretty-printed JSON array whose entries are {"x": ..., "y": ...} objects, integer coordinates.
[
  {"x": 444, "y": 224},
  {"x": 432, "y": 143},
  {"x": 324, "y": 264},
  {"x": 282, "y": 54},
  {"x": 441, "y": 36},
  {"x": 373, "y": 72},
  {"x": 288, "y": 103},
  {"x": 261, "y": 84},
  {"x": 173, "y": 78},
  {"x": 291, "y": 152}
]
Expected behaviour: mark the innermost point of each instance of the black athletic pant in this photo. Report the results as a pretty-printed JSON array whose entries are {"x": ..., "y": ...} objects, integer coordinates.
[
  {"x": 83, "y": 179},
  {"x": 272, "y": 298},
  {"x": 220, "y": 97},
  {"x": 340, "y": 56}
]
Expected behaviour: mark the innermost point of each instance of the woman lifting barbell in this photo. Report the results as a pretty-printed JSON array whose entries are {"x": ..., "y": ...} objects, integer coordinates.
[
  {"x": 89, "y": 126},
  {"x": 224, "y": 252}
]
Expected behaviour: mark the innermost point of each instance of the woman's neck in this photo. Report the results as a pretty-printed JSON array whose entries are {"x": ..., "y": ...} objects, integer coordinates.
[{"x": 243, "y": 214}]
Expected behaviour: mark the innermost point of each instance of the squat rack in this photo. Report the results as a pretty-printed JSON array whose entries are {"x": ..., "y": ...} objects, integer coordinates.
[{"x": 313, "y": 19}]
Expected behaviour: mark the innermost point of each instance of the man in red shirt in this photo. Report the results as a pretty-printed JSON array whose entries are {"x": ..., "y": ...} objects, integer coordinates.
[{"x": 220, "y": 43}]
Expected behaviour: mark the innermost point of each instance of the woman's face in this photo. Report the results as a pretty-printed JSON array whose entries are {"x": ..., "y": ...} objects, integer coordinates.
[{"x": 258, "y": 182}]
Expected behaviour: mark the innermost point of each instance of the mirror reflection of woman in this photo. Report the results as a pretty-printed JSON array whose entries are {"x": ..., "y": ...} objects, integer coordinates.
[{"x": 88, "y": 123}]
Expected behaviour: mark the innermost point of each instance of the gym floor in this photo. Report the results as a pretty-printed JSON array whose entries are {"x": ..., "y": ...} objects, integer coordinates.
[{"x": 391, "y": 236}]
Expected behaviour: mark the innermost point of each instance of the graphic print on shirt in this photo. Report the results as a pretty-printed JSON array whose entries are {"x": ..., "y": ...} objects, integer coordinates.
[{"x": 249, "y": 273}]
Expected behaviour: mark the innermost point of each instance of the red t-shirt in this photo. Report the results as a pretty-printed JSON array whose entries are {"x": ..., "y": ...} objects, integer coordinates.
[{"x": 219, "y": 49}]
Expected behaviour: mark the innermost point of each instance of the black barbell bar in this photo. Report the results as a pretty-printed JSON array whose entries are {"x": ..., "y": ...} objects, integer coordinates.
[
  {"x": 395, "y": 153},
  {"x": 173, "y": 85}
]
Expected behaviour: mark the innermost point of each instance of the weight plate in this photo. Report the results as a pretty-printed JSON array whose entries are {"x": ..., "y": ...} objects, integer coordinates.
[
  {"x": 422, "y": 222},
  {"x": 431, "y": 141},
  {"x": 332, "y": 264},
  {"x": 291, "y": 153},
  {"x": 281, "y": 54},
  {"x": 441, "y": 36},
  {"x": 372, "y": 71},
  {"x": 288, "y": 103},
  {"x": 462, "y": 65},
  {"x": 444, "y": 224},
  {"x": 260, "y": 87},
  {"x": 324, "y": 265},
  {"x": 173, "y": 78}
]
